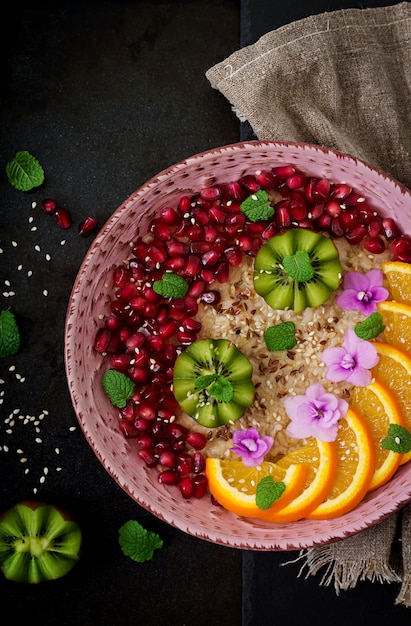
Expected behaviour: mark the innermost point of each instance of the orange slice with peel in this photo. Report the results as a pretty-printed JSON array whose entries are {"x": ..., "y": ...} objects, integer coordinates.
[
  {"x": 397, "y": 320},
  {"x": 321, "y": 458},
  {"x": 379, "y": 408},
  {"x": 398, "y": 275},
  {"x": 394, "y": 370},
  {"x": 234, "y": 485},
  {"x": 356, "y": 467}
]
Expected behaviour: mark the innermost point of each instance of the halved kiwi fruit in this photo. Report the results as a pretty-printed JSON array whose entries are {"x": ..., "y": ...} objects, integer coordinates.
[
  {"x": 297, "y": 269},
  {"x": 38, "y": 542},
  {"x": 213, "y": 382}
]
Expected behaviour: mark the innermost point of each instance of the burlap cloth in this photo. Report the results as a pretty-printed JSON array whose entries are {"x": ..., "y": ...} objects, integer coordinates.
[{"x": 342, "y": 80}]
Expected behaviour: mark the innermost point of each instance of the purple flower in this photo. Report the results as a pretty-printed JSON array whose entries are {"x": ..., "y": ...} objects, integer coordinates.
[
  {"x": 351, "y": 362},
  {"x": 316, "y": 414},
  {"x": 362, "y": 292},
  {"x": 250, "y": 446}
]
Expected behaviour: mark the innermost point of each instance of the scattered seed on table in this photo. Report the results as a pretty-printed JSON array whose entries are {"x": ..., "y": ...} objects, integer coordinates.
[
  {"x": 37, "y": 248},
  {"x": 62, "y": 242},
  {"x": 72, "y": 428},
  {"x": 19, "y": 267},
  {"x": 29, "y": 273},
  {"x": 33, "y": 205},
  {"x": 45, "y": 292},
  {"x": 48, "y": 257},
  {"x": 14, "y": 244},
  {"x": 38, "y": 440},
  {"x": 33, "y": 229}
]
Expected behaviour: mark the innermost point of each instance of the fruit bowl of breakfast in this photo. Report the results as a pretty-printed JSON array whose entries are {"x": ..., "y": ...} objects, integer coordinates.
[{"x": 237, "y": 345}]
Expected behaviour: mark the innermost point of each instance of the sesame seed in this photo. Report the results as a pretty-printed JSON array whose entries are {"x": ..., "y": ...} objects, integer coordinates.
[
  {"x": 37, "y": 248},
  {"x": 45, "y": 292}
]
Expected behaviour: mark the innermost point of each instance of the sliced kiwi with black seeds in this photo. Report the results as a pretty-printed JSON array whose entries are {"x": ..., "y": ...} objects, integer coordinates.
[
  {"x": 38, "y": 542},
  {"x": 212, "y": 382},
  {"x": 297, "y": 269}
]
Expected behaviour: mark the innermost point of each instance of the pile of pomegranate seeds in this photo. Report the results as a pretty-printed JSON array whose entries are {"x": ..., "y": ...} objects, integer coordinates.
[
  {"x": 200, "y": 239},
  {"x": 63, "y": 217}
]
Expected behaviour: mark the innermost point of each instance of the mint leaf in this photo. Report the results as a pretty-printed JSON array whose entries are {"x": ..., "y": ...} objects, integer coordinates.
[
  {"x": 24, "y": 171},
  {"x": 257, "y": 206},
  {"x": 9, "y": 334},
  {"x": 398, "y": 439},
  {"x": 118, "y": 387},
  {"x": 280, "y": 337},
  {"x": 137, "y": 542},
  {"x": 370, "y": 328},
  {"x": 298, "y": 266},
  {"x": 221, "y": 389},
  {"x": 202, "y": 382},
  {"x": 171, "y": 286},
  {"x": 267, "y": 492}
]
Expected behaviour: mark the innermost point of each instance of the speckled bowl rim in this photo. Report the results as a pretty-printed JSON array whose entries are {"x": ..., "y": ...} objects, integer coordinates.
[{"x": 95, "y": 414}]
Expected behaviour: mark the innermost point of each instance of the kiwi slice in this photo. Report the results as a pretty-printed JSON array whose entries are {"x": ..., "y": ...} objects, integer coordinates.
[
  {"x": 38, "y": 542},
  {"x": 213, "y": 382},
  {"x": 297, "y": 269}
]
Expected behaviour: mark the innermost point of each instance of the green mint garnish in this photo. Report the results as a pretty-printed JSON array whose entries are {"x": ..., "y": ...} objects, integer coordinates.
[
  {"x": 280, "y": 337},
  {"x": 9, "y": 334},
  {"x": 24, "y": 171},
  {"x": 216, "y": 386},
  {"x": 257, "y": 206},
  {"x": 118, "y": 387},
  {"x": 137, "y": 542},
  {"x": 298, "y": 266},
  {"x": 267, "y": 492},
  {"x": 370, "y": 328},
  {"x": 398, "y": 439},
  {"x": 171, "y": 286}
]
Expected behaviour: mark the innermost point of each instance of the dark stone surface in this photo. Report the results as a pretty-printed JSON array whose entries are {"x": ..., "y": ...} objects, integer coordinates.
[{"x": 106, "y": 95}]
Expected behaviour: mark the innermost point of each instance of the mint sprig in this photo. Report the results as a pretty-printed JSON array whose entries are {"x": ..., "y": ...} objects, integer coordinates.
[
  {"x": 118, "y": 387},
  {"x": 398, "y": 439},
  {"x": 138, "y": 543},
  {"x": 280, "y": 337},
  {"x": 267, "y": 492},
  {"x": 298, "y": 266},
  {"x": 215, "y": 385},
  {"x": 257, "y": 206},
  {"x": 171, "y": 286},
  {"x": 370, "y": 328},
  {"x": 24, "y": 171},
  {"x": 9, "y": 334}
]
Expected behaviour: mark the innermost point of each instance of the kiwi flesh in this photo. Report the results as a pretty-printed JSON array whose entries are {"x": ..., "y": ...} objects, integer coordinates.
[
  {"x": 38, "y": 542},
  {"x": 283, "y": 289},
  {"x": 212, "y": 382}
]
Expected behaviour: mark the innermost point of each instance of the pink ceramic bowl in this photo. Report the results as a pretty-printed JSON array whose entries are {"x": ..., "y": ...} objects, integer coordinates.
[{"x": 84, "y": 368}]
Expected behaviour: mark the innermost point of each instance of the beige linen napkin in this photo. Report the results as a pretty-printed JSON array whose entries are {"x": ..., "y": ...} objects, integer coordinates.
[{"x": 341, "y": 80}]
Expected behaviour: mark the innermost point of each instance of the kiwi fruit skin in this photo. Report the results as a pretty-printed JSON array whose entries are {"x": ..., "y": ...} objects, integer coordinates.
[
  {"x": 38, "y": 542},
  {"x": 283, "y": 292},
  {"x": 213, "y": 356}
]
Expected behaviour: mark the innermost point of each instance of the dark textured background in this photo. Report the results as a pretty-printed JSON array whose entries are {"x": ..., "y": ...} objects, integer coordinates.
[{"x": 106, "y": 94}]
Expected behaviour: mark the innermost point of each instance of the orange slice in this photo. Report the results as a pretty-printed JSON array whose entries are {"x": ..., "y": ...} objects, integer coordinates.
[
  {"x": 379, "y": 408},
  {"x": 398, "y": 275},
  {"x": 356, "y": 466},
  {"x": 321, "y": 458},
  {"x": 397, "y": 319},
  {"x": 394, "y": 370},
  {"x": 234, "y": 485}
]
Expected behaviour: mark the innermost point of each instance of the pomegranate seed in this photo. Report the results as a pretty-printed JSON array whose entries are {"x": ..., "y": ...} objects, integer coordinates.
[
  {"x": 196, "y": 288},
  {"x": 121, "y": 276},
  {"x": 128, "y": 430},
  {"x": 196, "y": 440},
  {"x": 191, "y": 305},
  {"x": 340, "y": 191},
  {"x": 187, "y": 487},
  {"x": 124, "y": 294},
  {"x": 333, "y": 208},
  {"x": 321, "y": 189},
  {"x": 120, "y": 362},
  {"x": 193, "y": 326},
  {"x": 168, "y": 329},
  {"x": 401, "y": 248},
  {"x": 210, "y": 258},
  {"x": 199, "y": 463},
  {"x": 142, "y": 424},
  {"x": 365, "y": 213},
  {"x": 297, "y": 209},
  {"x": 185, "y": 464},
  {"x": 356, "y": 235},
  {"x": 177, "y": 431},
  {"x": 113, "y": 322},
  {"x": 296, "y": 181},
  {"x": 200, "y": 484},
  {"x": 391, "y": 229},
  {"x": 193, "y": 265},
  {"x": 212, "y": 297},
  {"x": 135, "y": 341},
  {"x": 233, "y": 256},
  {"x": 148, "y": 457},
  {"x": 283, "y": 217},
  {"x": 210, "y": 233},
  {"x": 348, "y": 219},
  {"x": 353, "y": 199},
  {"x": 249, "y": 183},
  {"x": 138, "y": 374},
  {"x": 177, "y": 309},
  {"x": 49, "y": 206},
  {"x": 210, "y": 193},
  {"x": 160, "y": 230},
  {"x": 245, "y": 242},
  {"x": 283, "y": 172},
  {"x": 168, "y": 459},
  {"x": 222, "y": 272},
  {"x": 234, "y": 191},
  {"x": 336, "y": 228},
  {"x": 147, "y": 411},
  {"x": 63, "y": 218},
  {"x": 169, "y": 216},
  {"x": 87, "y": 226},
  {"x": 145, "y": 441},
  {"x": 184, "y": 204},
  {"x": 375, "y": 245},
  {"x": 168, "y": 477},
  {"x": 324, "y": 222},
  {"x": 102, "y": 340},
  {"x": 375, "y": 227},
  {"x": 217, "y": 215},
  {"x": 265, "y": 179}
]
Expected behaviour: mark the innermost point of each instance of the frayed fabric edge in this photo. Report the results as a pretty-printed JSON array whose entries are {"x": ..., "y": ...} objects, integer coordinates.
[
  {"x": 404, "y": 597},
  {"x": 346, "y": 574}
]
